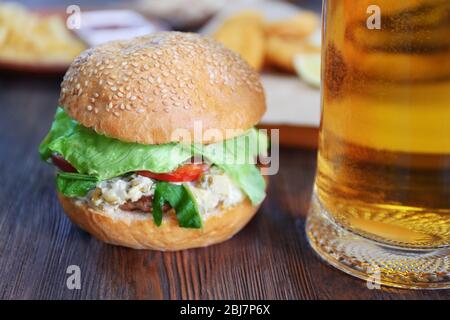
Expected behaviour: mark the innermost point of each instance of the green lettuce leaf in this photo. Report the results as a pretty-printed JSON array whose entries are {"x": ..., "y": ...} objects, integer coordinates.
[
  {"x": 103, "y": 158},
  {"x": 235, "y": 157},
  {"x": 61, "y": 126},
  {"x": 181, "y": 199},
  {"x": 74, "y": 184}
]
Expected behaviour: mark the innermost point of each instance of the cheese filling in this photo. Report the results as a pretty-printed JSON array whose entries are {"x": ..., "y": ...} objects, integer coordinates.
[{"x": 213, "y": 192}]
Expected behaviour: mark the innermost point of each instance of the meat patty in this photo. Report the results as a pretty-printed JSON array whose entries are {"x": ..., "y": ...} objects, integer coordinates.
[{"x": 144, "y": 204}]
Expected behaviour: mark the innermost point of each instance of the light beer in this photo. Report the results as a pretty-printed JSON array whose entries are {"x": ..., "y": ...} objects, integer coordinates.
[{"x": 384, "y": 158}]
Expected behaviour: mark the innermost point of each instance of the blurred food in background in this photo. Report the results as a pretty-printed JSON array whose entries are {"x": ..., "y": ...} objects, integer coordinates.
[
  {"x": 244, "y": 33},
  {"x": 298, "y": 26},
  {"x": 280, "y": 52},
  {"x": 28, "y": 37},
  {"x": 288, "y": 59},
  {"x": 266, "y": 44},
  {"x": 308, "y": 66},
  {"x": 181, "y": 14}
]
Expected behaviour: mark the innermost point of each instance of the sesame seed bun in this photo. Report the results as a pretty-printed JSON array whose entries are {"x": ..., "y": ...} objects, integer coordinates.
[
  {"x": 143, "y": 90},
  {"x": 138, "y": 231}
]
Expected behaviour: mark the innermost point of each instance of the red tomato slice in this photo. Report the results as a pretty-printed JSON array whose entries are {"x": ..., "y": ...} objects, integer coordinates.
[
  {"x": 62, "y": 163},
  {"x": 185, "y": 173}
]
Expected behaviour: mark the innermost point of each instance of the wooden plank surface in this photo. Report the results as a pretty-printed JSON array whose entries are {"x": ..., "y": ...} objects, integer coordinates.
[{"x": 269, "y": 259}]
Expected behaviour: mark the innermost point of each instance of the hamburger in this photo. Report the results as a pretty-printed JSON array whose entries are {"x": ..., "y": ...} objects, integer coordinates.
[{"x": 154, "y": 142}]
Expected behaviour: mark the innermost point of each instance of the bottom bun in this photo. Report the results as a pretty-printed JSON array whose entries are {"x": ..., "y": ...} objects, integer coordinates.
[{"x": 138, "y": 231}]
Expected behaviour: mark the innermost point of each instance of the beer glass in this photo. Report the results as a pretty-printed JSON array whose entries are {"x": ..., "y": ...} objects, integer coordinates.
[{"x": 381, "y": 203}]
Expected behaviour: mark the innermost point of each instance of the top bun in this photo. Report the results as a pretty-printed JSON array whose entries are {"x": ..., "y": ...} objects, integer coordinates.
[{"x": 143, "y": 90}]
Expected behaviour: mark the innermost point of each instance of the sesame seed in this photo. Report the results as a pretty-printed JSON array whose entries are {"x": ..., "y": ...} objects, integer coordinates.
[{"x": 89, "y": 108}]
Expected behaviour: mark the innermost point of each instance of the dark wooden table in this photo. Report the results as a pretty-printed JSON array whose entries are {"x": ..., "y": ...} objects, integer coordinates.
[{"x": 269, "y": 259}]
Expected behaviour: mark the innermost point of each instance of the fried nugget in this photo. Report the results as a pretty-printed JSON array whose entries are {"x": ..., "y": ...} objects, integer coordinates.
[{"x": 244, "y": 34}]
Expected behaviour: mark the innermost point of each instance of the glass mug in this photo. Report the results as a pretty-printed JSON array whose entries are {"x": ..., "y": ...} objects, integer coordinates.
[{"x": 381, "y": 203}]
